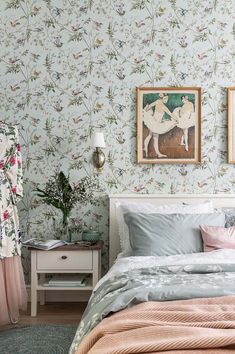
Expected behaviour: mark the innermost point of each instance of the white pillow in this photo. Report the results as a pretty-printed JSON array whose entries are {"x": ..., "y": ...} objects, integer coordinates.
[{"x": 148, "y": 208}]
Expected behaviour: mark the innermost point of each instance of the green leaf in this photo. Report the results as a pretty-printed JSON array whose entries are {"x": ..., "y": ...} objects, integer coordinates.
[{"x": 110, "y": 30}]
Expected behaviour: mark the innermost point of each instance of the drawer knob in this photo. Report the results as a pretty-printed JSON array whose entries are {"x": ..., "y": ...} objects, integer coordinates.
[{"x": 64, "y": 257}]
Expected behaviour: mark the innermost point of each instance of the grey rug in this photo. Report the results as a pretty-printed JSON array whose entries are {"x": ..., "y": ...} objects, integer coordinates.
[{"x": 37, "y": 339}]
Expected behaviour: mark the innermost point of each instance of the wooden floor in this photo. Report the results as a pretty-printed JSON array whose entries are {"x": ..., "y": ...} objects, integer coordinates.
[{"x": 56, "y": 312}]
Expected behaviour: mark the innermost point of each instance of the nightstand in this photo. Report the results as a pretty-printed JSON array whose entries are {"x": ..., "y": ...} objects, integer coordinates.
[{"x": 64, "y": 259}]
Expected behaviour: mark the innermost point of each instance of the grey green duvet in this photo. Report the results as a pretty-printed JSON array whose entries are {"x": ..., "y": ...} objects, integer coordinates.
[{"x": 134, "y": 280}]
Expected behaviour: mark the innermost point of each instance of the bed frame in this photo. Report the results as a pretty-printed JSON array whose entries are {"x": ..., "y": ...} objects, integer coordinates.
[{"x": 219, "y": 201}]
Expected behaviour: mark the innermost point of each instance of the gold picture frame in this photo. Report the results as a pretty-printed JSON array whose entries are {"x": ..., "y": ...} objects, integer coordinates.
[
  {"x": 168, "y": 125},
  {"x": 231, "y": 123}
]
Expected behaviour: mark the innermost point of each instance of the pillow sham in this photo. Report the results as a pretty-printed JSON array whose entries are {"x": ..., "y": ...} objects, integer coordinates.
[
  {"x": 148, "y": 208},
  {"x": 215, "y": 237},
  {"x": 165, "y": 235}
]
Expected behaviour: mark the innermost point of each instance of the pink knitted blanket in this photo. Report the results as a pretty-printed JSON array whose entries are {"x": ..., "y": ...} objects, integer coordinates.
[{"x": 176, "y": 327}]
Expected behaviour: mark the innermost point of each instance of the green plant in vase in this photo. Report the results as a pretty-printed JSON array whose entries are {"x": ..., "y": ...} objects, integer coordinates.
[{"x": 59, "y": 193}]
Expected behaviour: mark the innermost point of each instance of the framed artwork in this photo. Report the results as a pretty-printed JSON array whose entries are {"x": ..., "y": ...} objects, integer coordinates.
[
  {"x": 168, "y": 124},
  {"x": 231, "y": 124}
]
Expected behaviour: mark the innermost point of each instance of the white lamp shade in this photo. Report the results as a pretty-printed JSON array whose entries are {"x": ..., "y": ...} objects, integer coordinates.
[{"x": 97, "y": 140}]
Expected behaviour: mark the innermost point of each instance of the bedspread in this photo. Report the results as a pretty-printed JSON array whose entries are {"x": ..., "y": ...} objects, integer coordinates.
[
  {"x": 202, "y": 325},
  {"x": 161, "y": 283}
]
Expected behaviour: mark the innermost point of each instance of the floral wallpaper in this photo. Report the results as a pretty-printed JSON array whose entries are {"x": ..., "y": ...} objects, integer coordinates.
[{"x": 69, "y": 67}]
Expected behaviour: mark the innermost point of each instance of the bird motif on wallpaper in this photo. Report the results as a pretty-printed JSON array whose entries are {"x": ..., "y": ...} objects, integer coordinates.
[
  {"x": 15, "y": 23},
  {"x": 222, "y": 171},
  {"x": 120, "y": 108},
  {"x": 163, "y": 29},
  {"x": 120, "y": 75},
  {"x": 98, "y": 25},
  {"x": 35, "y": 138},
  {"x": 207, "y": 137},
  {"x": 77, "y": 55},
  {"x": 83, "y": 73},
  {"x": 83, "y": 8},
  {"x": 223, "y": 25},
  {"x": 57, "y": 42},
  {"x": 98, "y": 89},
  {"x": 139, "y": 24},
  {"x": 35, "y": 74},
  {"x": 160, "y": 56},
  {"x": 20, "y": 41},
  {"x": 182, "y": 12},
  {"x": 75, "y": 28},
  {"x": 35, "y": 56},
  {"x": 202, "y": 56},
  {"x": 139, "y": 188},
  {"x": 14, "y": 87},
  {"x": 35, "y": 10},
  {"x": 146, "y": 41},
  {"x": 138, "y": 61},
  {"x": 35, "y": 121},
  {"x": 222, "y": 43},
  {"x": 77, "y": 119},
  {"x": 182, "y": 42},
  {"x": 208, "y": 74},
  {"x": 200, "y": 29},
  {"x": 57, "y": 11},
  {"x": 120, "y": 139},
  {"x": 56, "y": 75},
  {"x": 160, "y": 11},
  {"x": 183, "y": 171},
  {"x": 201, "y": 184},
  {"x": 20, "y": 105},
  {"x": 121, "y": 11},
  {"x": 76, "y": 157},
  {"x": 208, "y": 10},
  {"x": 120, "y": 171},
  {"x": 120, "y": 43},
  {"x": 57, "y": 106},
  {"x": 182, "y": 75},
  {"x": 13, "y": 60},
  {"x": 36, "y": 29},
  {"x": 98, "y": 42},
  {"x": 76, "y": 92},
  {"x": 99, "y": 106}
]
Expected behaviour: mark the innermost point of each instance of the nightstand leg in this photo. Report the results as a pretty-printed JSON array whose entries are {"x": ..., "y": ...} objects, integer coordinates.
[
  {"x": 99, "y": 267},
  {"x": 95, "y": 275},
  {"x": 34, "y": 281},
  {"x": 42, "y": 292}
]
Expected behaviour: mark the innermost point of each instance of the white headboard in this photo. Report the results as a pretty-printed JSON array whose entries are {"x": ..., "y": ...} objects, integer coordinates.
[{"x": 219, "y": 201}]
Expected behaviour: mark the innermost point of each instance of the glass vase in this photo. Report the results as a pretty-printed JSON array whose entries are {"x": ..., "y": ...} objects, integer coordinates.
[{"x": 65, "y": 230}]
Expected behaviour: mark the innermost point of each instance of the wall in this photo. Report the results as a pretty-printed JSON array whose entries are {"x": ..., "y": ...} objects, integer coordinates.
[{"x": 68, "y": 67}]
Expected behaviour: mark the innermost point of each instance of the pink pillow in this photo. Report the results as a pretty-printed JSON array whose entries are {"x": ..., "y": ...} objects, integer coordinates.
[{"x": 217, "y": 237}]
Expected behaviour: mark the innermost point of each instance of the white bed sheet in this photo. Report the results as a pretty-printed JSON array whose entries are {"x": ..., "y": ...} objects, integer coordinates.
[{"x": 123, "y": 264}]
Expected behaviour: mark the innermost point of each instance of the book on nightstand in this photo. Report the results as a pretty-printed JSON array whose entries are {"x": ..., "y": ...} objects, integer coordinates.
[
  {"x": 43, "y": 245},
  {"x": 67, "y": 280}
]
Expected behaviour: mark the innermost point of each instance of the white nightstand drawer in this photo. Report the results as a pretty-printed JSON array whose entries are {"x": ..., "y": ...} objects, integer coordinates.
[
  {"x": 69, "y": 259},
  {"x": 66, "y": 260}
]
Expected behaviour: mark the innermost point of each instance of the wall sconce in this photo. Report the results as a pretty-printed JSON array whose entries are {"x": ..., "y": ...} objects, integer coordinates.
[{"x": 97, "y": 141}]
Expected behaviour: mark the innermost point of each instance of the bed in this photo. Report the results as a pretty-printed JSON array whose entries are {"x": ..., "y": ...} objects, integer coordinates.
[{"x": 163, "y": 294}]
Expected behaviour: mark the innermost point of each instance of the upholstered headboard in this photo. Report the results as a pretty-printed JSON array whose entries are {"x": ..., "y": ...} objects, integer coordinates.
[{"x": 219, "y": 201}]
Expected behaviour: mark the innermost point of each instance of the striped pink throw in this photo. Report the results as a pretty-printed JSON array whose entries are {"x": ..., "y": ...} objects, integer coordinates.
[{"x": 173, "y": 327}]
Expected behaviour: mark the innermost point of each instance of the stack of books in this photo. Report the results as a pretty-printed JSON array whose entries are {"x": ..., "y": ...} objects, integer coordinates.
[
  {"x": 67, "y": 280},
  {"x": 43, "y": 245}
]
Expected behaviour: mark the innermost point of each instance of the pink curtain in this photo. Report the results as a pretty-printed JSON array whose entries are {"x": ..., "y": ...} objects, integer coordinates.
[{"x": 13, "y": 295}]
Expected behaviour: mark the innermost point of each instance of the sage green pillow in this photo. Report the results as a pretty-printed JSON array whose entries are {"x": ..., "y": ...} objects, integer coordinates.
[{"x": 165, "y": 235}]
